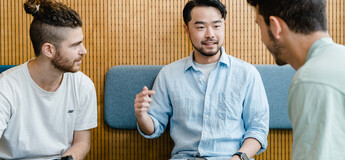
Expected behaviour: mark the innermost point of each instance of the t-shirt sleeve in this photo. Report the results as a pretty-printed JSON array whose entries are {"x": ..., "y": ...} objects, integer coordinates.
[
  {"x": 87, "y": 111},
  {"x": 5, "y": 113}
]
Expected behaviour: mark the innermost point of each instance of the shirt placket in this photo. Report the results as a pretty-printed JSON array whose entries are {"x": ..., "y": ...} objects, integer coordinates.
[{"x": 205, "y": 133}]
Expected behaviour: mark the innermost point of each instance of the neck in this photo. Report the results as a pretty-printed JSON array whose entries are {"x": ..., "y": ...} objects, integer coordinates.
[
  {"x": 298, "y": 46},
  {"x": 44, "y": 74},
  {"x": 202, "y": 59}
]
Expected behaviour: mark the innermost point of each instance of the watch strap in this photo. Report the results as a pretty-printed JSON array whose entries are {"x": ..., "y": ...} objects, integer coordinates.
[{"x": 242, "y": 155}]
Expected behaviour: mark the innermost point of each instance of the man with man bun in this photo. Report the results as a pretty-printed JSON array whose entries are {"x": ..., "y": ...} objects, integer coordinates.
[{"x": 48, "y": 107}]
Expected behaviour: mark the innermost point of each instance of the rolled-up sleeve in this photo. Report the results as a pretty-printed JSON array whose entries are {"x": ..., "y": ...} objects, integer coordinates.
[
  {"x": 256, "y": 111},
  {"x": 160, "y": 109}
]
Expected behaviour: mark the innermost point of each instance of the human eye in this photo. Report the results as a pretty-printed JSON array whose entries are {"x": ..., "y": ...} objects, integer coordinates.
[{"x": 200, "y": 28}]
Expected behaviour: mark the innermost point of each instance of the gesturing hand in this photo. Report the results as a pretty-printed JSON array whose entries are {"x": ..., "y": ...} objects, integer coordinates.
[{"x": 142, "y": 101}]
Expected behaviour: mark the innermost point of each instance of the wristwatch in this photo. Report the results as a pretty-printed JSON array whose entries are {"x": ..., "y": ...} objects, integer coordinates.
[
  {"x": 242, "y": 155},
  {"x": 67, "y": 158}
]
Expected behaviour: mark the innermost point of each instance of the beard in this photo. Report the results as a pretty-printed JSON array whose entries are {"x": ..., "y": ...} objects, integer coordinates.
[
  {"x": 202, "y": 51},
  {"x": 276, "y": 49},
  {"x": 64, "y": 64}
]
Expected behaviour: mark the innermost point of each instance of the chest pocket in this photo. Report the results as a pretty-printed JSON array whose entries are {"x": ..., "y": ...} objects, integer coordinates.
[{"x": 230, "y": 106}]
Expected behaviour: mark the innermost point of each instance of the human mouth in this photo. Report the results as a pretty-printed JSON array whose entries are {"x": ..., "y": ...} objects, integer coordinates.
[
  {"x": 78, "y": 61},
  {"x": 210, "y": 43}
]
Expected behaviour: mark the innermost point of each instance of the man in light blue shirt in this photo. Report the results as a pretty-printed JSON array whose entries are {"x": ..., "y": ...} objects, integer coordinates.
[
  {"x": 295, "y": 32},
  {"x": 216, "y": 104}
]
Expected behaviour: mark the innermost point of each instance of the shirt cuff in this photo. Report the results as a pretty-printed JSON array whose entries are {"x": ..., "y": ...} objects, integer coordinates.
[
  {"x": 259, "y": 136},
  {"x": 155, "y": 134}
]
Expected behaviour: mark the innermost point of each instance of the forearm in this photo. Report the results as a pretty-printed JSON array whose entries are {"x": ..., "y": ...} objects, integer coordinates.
[
  {"x": 146, "y": 124},
  {"x": 250, "y": 146},
  {"x": 78, "y": 151},
  {"x": 80, "y": 146}
]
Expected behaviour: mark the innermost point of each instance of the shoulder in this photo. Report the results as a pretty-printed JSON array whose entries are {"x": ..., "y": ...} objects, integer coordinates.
[
  {"x": 176, "y": 67},
  {"x": 326, "y": 68},
  {"x": 79, "y": 79},
  {"x": 12, "y": 77},
  {"x": 241, "y": 67}
]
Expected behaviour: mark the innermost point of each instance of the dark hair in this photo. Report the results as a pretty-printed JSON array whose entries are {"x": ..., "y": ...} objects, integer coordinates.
[
  {"x": 301, "y": 16},
  {"x": 202, "y": 3},
  {"x": 50, "y": 22}
]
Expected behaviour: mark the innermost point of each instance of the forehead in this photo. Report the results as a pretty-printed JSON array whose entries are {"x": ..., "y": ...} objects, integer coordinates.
[
  {"x": 73, "y": 34},
  {"x": 205, "y": 14}
]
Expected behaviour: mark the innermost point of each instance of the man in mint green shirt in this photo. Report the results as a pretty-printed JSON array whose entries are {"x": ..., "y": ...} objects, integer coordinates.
[{"x": 295, "y": 32}]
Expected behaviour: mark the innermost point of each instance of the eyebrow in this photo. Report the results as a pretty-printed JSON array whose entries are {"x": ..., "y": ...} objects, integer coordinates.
[
  {"x": 201, "y": 22},
  {"x": 77, "y": 43}
]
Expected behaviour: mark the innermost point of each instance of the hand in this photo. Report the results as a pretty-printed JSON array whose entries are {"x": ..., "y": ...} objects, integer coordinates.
[{"x": 142, "y": 102}]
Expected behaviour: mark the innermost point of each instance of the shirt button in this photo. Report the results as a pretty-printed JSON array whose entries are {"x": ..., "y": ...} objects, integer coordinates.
[
  {"x": 207, "y": 97},
  {"x": 206, "y": 116},
  {"x": 204, "y": 133},
  {"x": 200, "y": 80}
]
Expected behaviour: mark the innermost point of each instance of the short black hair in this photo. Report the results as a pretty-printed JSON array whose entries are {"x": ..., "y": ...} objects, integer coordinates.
[
  {"x": 50, "y": 21},
  {"x": 202, "y": 3},
  {"x": 301, "y": 16}
]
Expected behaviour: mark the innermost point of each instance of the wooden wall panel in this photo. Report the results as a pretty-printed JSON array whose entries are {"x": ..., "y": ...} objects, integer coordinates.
[{"x": 147, "y": 32}]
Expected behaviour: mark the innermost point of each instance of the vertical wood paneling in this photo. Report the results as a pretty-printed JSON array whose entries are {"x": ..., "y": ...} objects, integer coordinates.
[{"x": 147, "y": 32}]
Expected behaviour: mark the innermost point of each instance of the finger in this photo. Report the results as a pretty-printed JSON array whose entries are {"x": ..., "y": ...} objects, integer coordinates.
[
  {"x": 145, "y": 88},
  {"x": 148, "y": 93},
  {"x": 142, "y": 105}
]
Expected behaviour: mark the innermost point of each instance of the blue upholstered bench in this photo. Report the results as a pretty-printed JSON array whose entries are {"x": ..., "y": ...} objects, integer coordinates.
[
  {"x": 124, "y": 82},
  {"x": 5, "y": 67}
]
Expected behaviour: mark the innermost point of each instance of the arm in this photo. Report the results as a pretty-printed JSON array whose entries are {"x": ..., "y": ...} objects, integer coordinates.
[
  {"x": 255, "y": 117},
  {"x": 80, "y": 146},
  {"x": 5, "y": 113},
  {"x": 250, "y": 146},
  {"x": 141, "y": 104}
]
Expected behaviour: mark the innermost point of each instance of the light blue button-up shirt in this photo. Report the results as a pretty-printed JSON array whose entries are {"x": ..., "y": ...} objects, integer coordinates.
[{"x": 213, "y": 119}]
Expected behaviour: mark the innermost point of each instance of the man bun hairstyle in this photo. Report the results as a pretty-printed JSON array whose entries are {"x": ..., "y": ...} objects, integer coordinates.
[
  {"x": 202, "y": 3},
  {"x": 51, "y": 19}
]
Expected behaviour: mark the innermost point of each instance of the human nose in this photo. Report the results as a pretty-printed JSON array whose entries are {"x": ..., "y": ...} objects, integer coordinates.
[
  {"x": 82, "y": 49},
  {"x": 210, "y": 33}
]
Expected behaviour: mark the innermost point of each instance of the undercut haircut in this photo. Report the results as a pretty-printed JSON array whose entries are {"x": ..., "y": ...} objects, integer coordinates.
[{"x": 51, "y": 19}]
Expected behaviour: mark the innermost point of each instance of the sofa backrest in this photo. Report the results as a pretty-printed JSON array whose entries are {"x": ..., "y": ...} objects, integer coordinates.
[
  {"x": 124, "y": 82},
  {"x": 5, "y": 67}
]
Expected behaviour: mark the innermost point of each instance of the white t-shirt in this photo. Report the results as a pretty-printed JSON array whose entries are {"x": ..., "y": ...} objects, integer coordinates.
[
  {"x": 36, "y": 124},
  {"x": 206, "y": 69}
]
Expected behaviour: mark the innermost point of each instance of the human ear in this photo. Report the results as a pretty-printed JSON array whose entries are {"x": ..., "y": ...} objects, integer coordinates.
[
  {"x": 48, "y": 50},
  {"x": 275, "y": 26},
  {"x": 186, "y": 30}
]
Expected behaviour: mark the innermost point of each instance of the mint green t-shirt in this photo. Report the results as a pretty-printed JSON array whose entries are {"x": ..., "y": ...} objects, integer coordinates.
[{"x": 316, "y": 103}]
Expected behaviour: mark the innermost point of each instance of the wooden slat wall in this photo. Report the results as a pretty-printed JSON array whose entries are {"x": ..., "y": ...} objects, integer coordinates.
[{"x": 147, "y": 32}]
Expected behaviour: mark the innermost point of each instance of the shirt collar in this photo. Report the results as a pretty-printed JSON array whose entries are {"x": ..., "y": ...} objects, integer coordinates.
[
  {"x": 317, "y": 44},
  {"x": 223, "y": 60}
]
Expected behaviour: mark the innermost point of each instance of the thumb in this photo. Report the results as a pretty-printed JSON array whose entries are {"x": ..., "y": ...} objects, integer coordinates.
[{"x": 145, "y": 88}]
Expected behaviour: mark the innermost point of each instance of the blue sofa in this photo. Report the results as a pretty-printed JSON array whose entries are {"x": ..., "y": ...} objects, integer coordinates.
[
  {"x": 5, "y": 67},
  {"x": 124, "y": 82}
]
